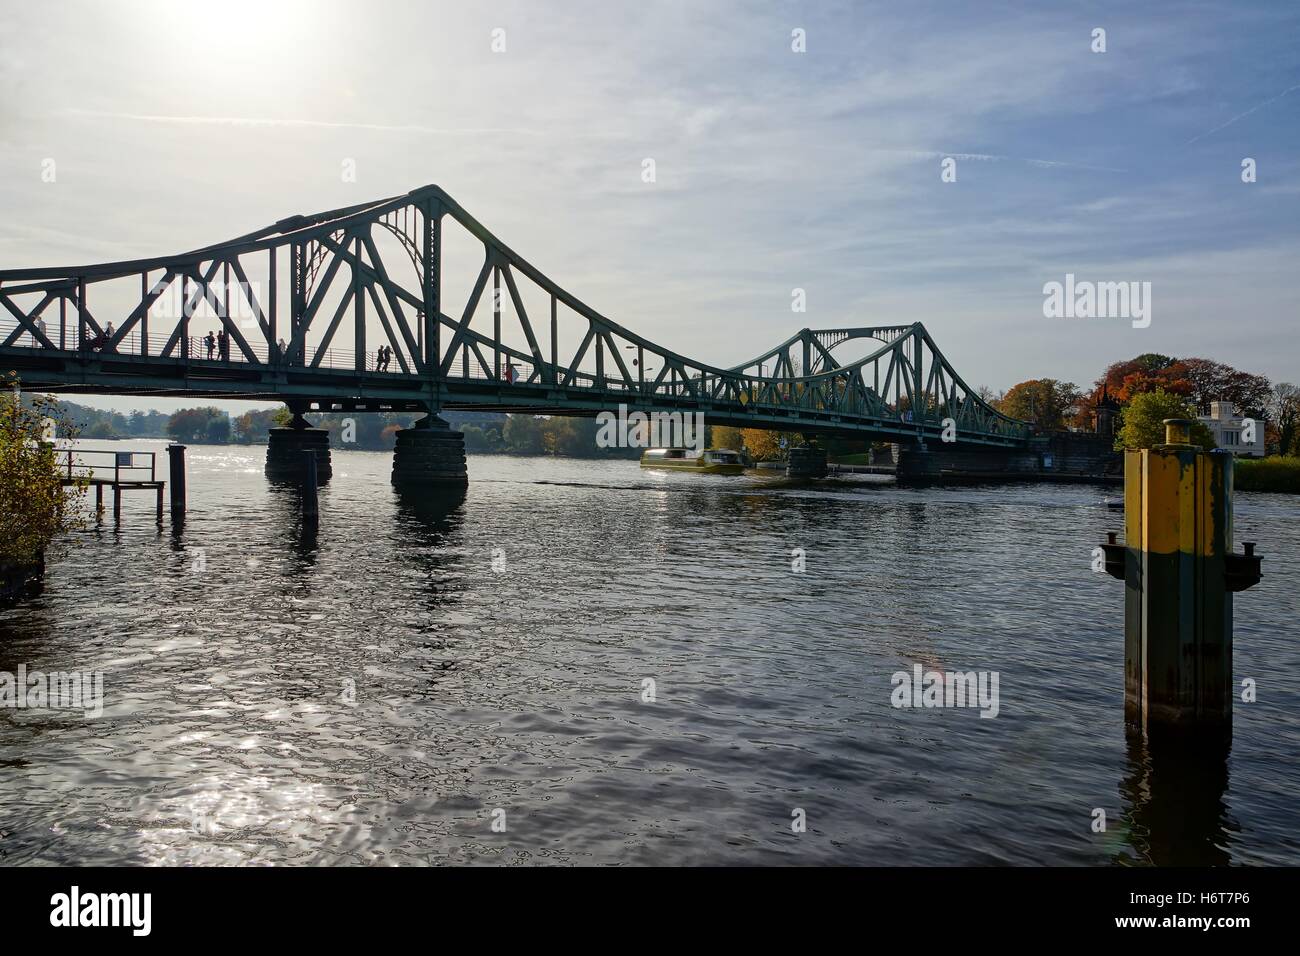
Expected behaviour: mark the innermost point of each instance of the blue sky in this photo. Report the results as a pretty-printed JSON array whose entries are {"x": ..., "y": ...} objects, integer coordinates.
[{"x": 173, "y": 128}]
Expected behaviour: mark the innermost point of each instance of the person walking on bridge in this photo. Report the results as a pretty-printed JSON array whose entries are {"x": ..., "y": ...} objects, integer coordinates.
[{"x": 210, "y": 341}]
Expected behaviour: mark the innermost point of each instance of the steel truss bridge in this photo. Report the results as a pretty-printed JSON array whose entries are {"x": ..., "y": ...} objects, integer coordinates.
[{"x": 307, "y": 301}]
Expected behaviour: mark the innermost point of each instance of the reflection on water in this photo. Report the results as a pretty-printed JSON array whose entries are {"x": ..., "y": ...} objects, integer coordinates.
[
  {"x": 431, "y": 513},
  {"x": 371, "y": 688},
  {"x": 1175, "y": 798}
]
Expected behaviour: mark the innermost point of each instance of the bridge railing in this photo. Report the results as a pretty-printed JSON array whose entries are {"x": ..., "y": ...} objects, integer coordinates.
[{"x": 193, "y": 348}]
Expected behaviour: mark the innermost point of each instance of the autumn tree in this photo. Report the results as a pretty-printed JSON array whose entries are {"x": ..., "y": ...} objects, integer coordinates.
[
  {"x": 1144, "y": 421},
  {"x": 1283, "y": 414},
  {"x": 1216, "y": 382},
  {"x": 252, "y": 425},
  {"x": 724, "y": 436},
  {"x": 1201, "y": 381},
  {"x": 763, "y": 444},
  {"x": 1123, "y": 380},
  {"x": 1044, "y": 401}
]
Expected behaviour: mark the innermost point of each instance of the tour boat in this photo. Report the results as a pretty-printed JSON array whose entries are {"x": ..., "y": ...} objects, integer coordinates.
[{"x": 715, "y": 461}]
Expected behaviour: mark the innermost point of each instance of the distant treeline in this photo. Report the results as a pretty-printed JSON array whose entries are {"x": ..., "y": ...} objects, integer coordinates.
[
  {"x": 98, "y": 423},
  {"x": 485, "y": 432}
]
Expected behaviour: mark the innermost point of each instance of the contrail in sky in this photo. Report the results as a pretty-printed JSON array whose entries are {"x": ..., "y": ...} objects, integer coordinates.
[
  {"x": 994, "y": 158},
  {"x": 1243, "y": 115}
]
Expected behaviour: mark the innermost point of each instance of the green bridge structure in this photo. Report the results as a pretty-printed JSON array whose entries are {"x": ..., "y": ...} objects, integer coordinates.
[{"x": 307, "y": 302}]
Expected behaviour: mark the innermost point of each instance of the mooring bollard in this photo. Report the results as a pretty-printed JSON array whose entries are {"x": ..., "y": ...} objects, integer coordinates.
[
  {"x": 1179, "y": 575},
  {"x": 176, "y": 459},
  {"x": 310, "y": 505}
]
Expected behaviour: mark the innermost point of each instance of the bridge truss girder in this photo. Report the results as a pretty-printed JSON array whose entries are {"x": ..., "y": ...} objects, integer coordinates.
[{"x": 377, "y": 269}]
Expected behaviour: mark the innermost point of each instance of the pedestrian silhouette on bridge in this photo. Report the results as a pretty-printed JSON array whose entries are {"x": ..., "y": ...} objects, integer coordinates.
[{"x": 210, "y": 341}]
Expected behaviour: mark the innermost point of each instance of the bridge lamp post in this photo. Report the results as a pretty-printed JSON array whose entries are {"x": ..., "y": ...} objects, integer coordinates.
[{"x": 639, "y": 362}]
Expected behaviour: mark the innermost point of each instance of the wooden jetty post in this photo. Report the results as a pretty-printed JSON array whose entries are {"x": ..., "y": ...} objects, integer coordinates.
[
  {"x": 1179, "y": 574},
  {"x": 176, "y": 460},
  {"x": 310, "y": 504}
]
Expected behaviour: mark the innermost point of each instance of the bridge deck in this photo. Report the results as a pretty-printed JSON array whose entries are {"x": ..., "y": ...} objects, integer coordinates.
[{"x": 336, "y": 387}]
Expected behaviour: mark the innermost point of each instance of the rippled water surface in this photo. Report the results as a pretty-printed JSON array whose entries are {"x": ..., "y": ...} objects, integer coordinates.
[{"x": 499, "y": 647}]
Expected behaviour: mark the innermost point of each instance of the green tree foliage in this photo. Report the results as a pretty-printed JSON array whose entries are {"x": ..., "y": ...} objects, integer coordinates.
[
  {"x": 35, "y": 506},
  {"x": 1143, "y": 421},
  {"x": 523, "y": 434},
  {"x": 570, "y": 437},
  {"x": 479, "y": 439},
  {"x": 218, "y": 430},
  {"x": 150, "y": 424},
  {"x": 203, "y": 425}
]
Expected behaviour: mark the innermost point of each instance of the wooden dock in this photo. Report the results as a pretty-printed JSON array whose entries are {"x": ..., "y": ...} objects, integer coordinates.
[{"x": 117, "y": 470}]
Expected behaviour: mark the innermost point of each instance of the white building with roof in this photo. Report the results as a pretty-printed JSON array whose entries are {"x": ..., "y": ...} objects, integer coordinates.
[{"x": 1230, "y": 430}]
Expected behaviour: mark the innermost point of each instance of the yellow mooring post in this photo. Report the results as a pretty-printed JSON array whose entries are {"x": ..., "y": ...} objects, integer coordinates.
[{"x": 1179, "y": 573}]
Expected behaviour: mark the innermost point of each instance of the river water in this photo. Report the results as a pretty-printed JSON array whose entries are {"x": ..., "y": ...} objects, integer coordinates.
[{"x": 469, "y": 681}]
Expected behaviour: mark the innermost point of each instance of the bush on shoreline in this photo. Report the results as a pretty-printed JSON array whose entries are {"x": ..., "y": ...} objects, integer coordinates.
[
  {"x": 1268, "y": 474},
  {"x": 35, "y": 505}
]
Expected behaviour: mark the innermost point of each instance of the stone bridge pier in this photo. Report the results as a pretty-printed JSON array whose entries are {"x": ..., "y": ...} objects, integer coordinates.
[
  {"x": 284, "y": 461},
  {"x": 430, "y": 454}
]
